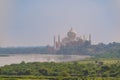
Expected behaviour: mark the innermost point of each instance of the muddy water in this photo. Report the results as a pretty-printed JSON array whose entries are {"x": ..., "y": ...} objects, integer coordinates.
[{"x": 17, "y": 58}]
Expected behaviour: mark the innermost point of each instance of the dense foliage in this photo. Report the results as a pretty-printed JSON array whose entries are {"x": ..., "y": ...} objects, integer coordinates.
[
  {"x": 23, "y": 50},
  {"x": 88, "y": 49},
  {"x": 55, "y": 78},
  {"x": 113, "y": 53},
  {"x": 110, "y": 51},
  {"x": 89, "y": 69}
]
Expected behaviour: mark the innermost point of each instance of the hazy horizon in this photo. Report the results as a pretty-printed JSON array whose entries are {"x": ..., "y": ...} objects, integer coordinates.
[{"x": 35, "y": 22}]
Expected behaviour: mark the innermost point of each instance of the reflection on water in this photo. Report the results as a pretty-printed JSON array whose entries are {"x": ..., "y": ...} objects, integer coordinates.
[{"x": 17, "y": 58}]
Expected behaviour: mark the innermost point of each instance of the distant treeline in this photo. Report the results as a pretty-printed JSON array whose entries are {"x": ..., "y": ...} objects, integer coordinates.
[
  {"x": 88, "y": 49},
  {"x": 23, "y": 50},
  {"x": 99, "y": 50},
  {"x": 111, "y": 50}
]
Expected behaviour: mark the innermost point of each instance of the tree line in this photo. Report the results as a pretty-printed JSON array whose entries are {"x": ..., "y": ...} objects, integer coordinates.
[{"x": 101, "y": 50}]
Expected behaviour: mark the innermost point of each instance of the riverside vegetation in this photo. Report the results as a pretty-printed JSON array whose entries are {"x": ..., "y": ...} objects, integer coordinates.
[{"x": 102, "y": 69}]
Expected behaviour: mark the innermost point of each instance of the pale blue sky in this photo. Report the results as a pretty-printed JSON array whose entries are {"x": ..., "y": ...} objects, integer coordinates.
[{"x": 35, "y": 22}]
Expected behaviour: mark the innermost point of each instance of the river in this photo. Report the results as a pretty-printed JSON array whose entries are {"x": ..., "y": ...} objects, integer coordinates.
[{"x": 18, "y": 58}]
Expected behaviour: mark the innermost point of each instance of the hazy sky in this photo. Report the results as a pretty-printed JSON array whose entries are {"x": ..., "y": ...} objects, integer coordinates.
[{"x": 35, "y": 22}]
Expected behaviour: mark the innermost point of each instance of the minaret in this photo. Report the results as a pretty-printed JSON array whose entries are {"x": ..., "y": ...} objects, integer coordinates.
[
  {"x": 90, "y": 38},
  {"x": 84, "y": 38},
  {"x": 54, "y": 41},
  {"x": 59, "y": 43},
  {"x": 71, "y": 29}
]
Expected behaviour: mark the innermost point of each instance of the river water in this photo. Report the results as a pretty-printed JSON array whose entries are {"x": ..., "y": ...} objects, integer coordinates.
[{"x": 18, "y": 58}]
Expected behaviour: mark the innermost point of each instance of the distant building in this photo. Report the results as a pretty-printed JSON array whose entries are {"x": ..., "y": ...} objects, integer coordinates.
[{"x": 71, "y": 40}]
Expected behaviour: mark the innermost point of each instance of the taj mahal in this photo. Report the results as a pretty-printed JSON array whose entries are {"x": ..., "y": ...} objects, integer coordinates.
[{"x": 71, "y": 39}]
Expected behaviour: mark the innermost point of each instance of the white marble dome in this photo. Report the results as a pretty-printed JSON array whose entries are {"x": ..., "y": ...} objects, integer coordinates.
[{"x": 71, "y": 34}]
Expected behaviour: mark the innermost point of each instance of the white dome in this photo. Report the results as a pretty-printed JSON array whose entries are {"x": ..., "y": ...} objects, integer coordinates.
[{"x": 71, "y": 34}]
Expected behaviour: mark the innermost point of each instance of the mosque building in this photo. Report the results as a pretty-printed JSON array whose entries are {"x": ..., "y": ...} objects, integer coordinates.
[{"x": 72, "y": 39}]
